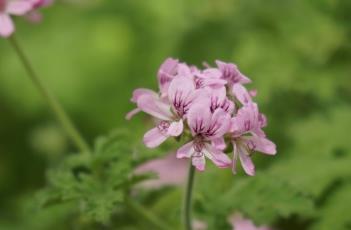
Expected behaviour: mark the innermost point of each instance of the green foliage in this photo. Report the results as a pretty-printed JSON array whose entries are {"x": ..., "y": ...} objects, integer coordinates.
[{"x": 96, "y": 182}]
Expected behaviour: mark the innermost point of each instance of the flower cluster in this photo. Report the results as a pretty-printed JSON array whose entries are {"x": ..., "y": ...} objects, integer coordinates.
[
  {"x": 18, "y": 8},
  {"x": 209, "y": 105}
]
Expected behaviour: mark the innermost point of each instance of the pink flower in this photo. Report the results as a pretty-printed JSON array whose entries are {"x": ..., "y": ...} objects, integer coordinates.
[
  {"x": 231, "y": 73},
  {"x": 171, "y": 112},
  {"x": 239, "y": 223},
  {"x": 7, "y": 8},
  {"x": 136, "y": 95},
  {"x": 249, "y": 121},
  {"x": 205, "y": 127},
  {"x": 235, "y": 80}
]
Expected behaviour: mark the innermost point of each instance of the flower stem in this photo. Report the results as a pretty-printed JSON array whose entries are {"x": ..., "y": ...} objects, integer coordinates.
[
  {"x": 55, "y": 106},
  {"x": 148, "y": 216},
  {"x": 188, "y": 196}
]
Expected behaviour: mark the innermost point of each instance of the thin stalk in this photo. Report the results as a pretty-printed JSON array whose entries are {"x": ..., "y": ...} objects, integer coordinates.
[
  {"x": 55, "y": 106},
  {"x": 188, "y": 198},
  {"x": 145, "y": 214}
]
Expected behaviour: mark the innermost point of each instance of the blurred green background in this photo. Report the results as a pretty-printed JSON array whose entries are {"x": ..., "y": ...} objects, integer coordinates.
[{"x": 92, "y": 54}]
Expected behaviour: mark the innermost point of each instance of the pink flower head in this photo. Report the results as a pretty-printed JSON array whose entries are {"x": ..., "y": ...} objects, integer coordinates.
[
  {"x": 11, "y": 7},
  {"x": 206, "y": 100},
  {"x": 205, "y": 127},
  {"x": 247, "y": 136}
]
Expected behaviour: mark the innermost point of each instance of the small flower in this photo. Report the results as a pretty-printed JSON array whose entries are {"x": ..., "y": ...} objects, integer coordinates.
[
  {"x": 205, "y": 127},
  {"x": 235, "y": 80},
  {"x": 136, "y": 95},
  {"x": 171, "y": 112},
  {"x": 9, "y": 7},
  {"x": 231, "y": 73},
  {"x": 247, "y": 136}
]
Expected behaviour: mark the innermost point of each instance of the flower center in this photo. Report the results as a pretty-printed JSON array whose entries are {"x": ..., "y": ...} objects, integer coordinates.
[
  {"x": 163, "y": 127},
  {"x": 199, "y": 83},
  {"x": 198, "y": 144},
  {"x": 2, "y": 5}
]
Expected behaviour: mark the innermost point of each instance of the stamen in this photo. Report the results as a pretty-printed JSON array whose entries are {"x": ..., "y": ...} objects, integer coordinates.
[{"x": 163, "y": 127}]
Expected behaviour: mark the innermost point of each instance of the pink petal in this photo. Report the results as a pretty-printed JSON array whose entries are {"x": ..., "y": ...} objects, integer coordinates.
[
  {"x": 228, "y": 106},
  {"x": 246, "y": 119},
  {"x": 6, "y": 25},
  {"x": 199, "y": 162},
  {"x": 199, "y": 117},
  {"x": 166, "y": 73},
  {"x": 170, "y": 171},
  {"x": 210, "y": 77},
  {"x": 19, "y": 7},
  {"x": 214, "y": 82},
  {"x": 154, "y": 107},
  {"x": 154, "y": 138},
  {"x": 219, "y": 143},
  {"x": 137, "y": 93},
  {"x": 186, "y": 151},
  {"x": 176, "y": 128},
  {"x": 181, "y": 93},
  {"x": 231, "y": 73},
  {"x": 261, "y": 144},
  {"x": 262, "y": 119},
  {"x": 220, "y": 122},
  {"x": 211, "y": 73},
  {"x": 219, "y": 158},
  {"x": 235, "y": 157},
  {"x": 246, "y": 161},
  {"x": 241, "y": 93},
  {"x": 184, "y": 71},
  {"x": 218, "y": 96},
  {"x": 132, "y": 113}
]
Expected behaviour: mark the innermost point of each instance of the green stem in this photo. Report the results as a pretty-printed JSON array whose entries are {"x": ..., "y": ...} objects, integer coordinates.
[
  {"x": 188, "y": 196},
  {"x": 55, "y": 106},
  {"x": 148, "y": 216}
]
